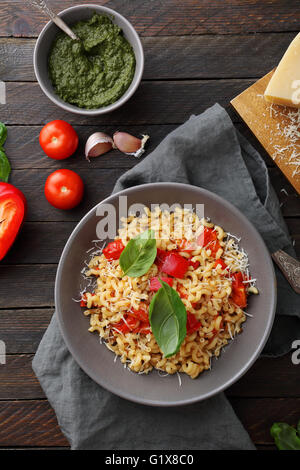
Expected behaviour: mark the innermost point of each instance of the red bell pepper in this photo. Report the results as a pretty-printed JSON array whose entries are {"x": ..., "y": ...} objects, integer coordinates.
[
  {"x": 132, "y": 324},
  {"x": 238, "y": 294},
  {"x": 192, "y": 324},
  {"x": 155, "y": 284},
  {"x": 209, "y": 239},
  {"x": 175, "y": 265},
  {"x": 83, "y": 300},
  {"x": 181, "y": 292},
  {"x": 113, "y": 250},
  {"x": 12, "y": 215}
]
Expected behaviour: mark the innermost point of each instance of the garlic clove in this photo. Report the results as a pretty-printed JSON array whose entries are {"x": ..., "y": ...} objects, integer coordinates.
[
  {"x": 98, "y": 144},
  {"x": 129, "y": 144}
]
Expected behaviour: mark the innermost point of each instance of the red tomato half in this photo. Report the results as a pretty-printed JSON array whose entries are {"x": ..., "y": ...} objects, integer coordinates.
[
  {"x": 64, "y": 189},
  {"x": 58, "y": 139},
  {"x": 187, "y": 245},
  {"x": 175, "y": 265},
  {"x": 113, "y": 250},
  {"x": 194, "y": 264},
  {"x": 182, "y": 292},
  {"x": 12, "y": 214}
]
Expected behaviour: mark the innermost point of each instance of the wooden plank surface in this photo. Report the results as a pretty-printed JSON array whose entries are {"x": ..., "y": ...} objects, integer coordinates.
[
  {"x": 27, "y": 286},
  {"x": 189, "y": 57},
  {"x": 22, "y": 331},
  {"x": 170, "y": 17},
  {"x": 268, "y": 124},
  {"x": 155, "y": 102},
  {"x": 18, "y": 382}
]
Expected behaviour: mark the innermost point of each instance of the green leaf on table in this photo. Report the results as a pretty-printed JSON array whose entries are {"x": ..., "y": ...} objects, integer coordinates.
[
  {"x": 139, "y": 254},
  {"x": 285, "y": 436},
  {"x": 3, "y": 134},
  {"x": 167, "y": 315},
  {"x": 4, "y": 166}
]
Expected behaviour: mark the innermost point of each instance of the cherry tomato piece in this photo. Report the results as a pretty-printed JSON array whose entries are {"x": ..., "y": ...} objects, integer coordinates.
[
  {"x": 155, "y": 284},
  {"x": 58, "y": 139},
  {"x": 209, "y": 240},
  {"x": 144, "y": 328},
  {"x": 160, "y": 257},
  {"x": 132, "y": 324},
  {"x": 175, "y": 265},
  {"x": 139, "y": 314},
  {"x": 64, "y": 189},
  {"x": 192, "y": 324},
  {"x": 113, "y": 250}
]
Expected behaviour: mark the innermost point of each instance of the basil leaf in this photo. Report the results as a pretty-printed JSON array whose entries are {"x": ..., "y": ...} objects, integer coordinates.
[
  {"x": 3, "y": 133},
  {"x": 139, "y": 254},
  {"x": 167, "y": 315},
  {"x": 4, "y": 166},
  {"x": 285, "y": 436}
]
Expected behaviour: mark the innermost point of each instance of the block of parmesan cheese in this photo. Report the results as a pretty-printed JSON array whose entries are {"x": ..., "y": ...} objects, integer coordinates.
[{"x": 284, "y": 86}]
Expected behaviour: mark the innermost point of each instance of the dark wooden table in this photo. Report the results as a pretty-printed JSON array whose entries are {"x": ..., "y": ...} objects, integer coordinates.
[{"x": 197, "y": 52}]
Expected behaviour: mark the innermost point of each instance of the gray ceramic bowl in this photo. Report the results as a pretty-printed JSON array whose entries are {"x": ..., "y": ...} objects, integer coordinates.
[
  {"x": 98, "y": 362},
  {"x": 71, "y": 16}
]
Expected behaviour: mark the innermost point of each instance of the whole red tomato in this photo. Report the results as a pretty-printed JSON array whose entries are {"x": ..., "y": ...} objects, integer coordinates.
[
  {"x": 64, "y": 189},
  {"x": 58, "y": 139}
]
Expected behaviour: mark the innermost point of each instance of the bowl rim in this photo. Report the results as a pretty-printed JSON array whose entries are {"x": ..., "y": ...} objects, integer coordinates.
[
  {"x": 250, "y": 360},
  {"x": 75, "y": 109}
]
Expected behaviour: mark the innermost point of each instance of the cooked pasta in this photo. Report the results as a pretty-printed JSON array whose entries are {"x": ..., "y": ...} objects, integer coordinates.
[{"x": 213, "y": 290}]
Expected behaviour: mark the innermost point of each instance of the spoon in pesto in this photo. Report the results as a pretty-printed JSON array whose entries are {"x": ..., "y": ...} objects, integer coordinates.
[{"x": 43, "y": 7}]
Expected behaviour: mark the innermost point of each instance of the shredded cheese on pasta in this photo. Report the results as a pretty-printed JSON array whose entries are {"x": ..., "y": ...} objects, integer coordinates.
[{"x": 207, "y": 295}]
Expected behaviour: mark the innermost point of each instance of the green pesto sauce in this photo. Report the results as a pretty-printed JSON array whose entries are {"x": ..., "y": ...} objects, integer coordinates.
[{"x": 96, "y": 71}]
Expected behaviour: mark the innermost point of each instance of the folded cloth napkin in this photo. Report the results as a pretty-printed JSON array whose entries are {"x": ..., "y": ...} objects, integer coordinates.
[{"x": 206, "y": 151}]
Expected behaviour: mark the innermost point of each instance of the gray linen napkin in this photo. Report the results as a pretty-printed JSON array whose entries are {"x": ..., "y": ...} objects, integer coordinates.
[{"x": 206, "y": 151}]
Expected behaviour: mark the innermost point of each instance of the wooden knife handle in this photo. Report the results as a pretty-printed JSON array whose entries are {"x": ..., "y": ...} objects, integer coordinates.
[{"x": 290, "y": 268}]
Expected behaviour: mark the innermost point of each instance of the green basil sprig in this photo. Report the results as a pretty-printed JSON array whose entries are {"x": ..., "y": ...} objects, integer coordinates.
[
  {"x": 139, "y": 254},
  {"x": 285, "y": 436},
  {"x": 3, "y": 134},
  {"x": 167, "y": 316},
  {"x": 5, "y": 168}
]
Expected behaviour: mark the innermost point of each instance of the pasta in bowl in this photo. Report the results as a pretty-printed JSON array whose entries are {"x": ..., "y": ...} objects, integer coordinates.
[
  {"x": 199, "y": 264},
  {"x": 208, "y": 271}
]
